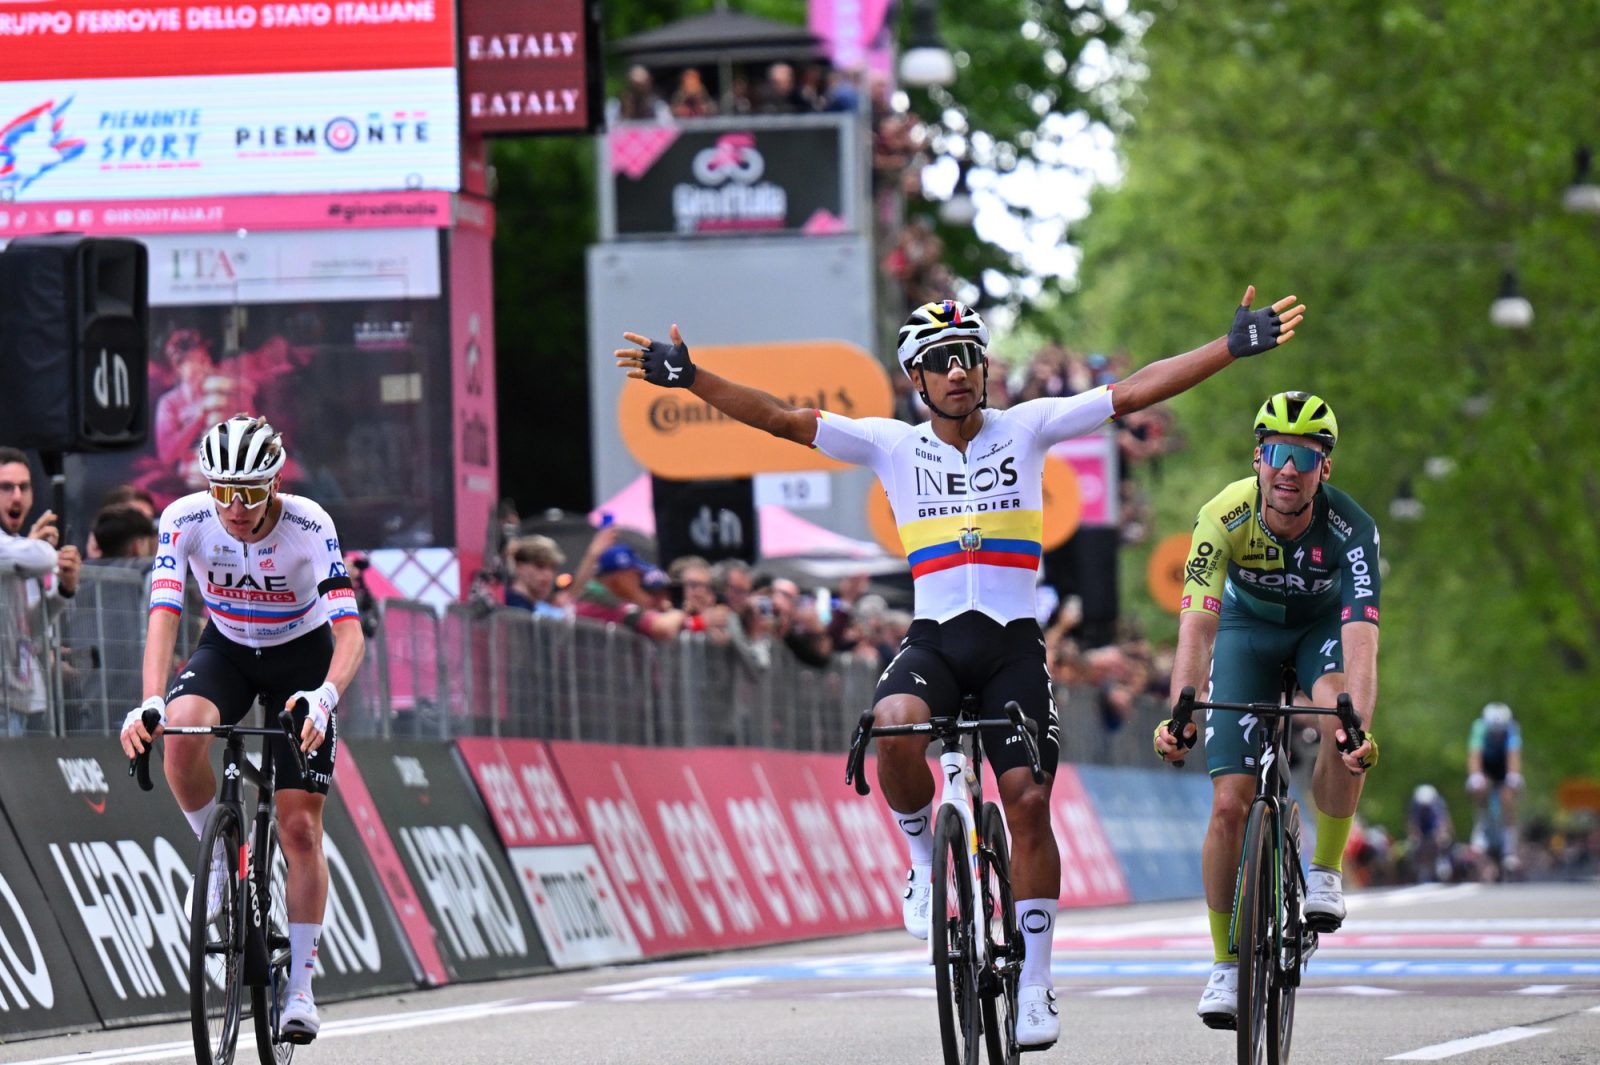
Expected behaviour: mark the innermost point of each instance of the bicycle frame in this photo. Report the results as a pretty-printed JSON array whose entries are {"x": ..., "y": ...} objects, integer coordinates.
[{"x": 963, "y": 789}]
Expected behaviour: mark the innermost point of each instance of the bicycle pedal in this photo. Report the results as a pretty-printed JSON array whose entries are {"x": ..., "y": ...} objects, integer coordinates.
[
  {"x": 298, "y": 1038},
  {"x": 1024, "y": 1049},
  {"x": 1323, "y": 923},
  {"x": 1222, "y": 1022}
]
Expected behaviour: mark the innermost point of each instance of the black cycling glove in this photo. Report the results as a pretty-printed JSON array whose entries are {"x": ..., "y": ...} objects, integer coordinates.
[
  {"x": 668, "y": 365},
  {"x": 1253, "y": 332}
]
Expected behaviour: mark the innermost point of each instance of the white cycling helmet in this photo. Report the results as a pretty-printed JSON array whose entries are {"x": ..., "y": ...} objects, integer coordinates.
[
  {"x": 940, "y": 322},
  {"x": 242, "y": 450},
  {"x": 1425, "y": 795},
  {"x": 1497, "y": 714}
]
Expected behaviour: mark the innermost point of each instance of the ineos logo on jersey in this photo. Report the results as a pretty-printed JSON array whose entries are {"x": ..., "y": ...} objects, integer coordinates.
[{"x": 982, "y": 479}]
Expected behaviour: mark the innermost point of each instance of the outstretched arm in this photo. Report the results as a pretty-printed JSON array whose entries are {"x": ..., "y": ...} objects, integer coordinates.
[
  {"x": 1253, "y": 332},
  {"x": 671, "y": 367}
]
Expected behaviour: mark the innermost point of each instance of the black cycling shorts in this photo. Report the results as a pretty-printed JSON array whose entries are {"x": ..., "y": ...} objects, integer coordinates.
[
  {"x": 232, "y": 676},
  {"x": 974, "y": 654}
]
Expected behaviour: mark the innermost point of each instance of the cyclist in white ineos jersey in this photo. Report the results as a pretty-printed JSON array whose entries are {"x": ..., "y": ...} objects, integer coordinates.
[
  {"x": 967, "y": 493},
  {"x": 283, "y": 625}
]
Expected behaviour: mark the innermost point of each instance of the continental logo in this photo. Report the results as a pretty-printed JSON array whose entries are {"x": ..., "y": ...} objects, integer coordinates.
[{"x": 676, "y": 435}]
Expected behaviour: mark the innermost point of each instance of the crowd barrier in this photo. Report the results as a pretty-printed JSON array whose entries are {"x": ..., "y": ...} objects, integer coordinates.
[
  {"x": 470, "y": 671},
  {"x": 488, "y": 857}
]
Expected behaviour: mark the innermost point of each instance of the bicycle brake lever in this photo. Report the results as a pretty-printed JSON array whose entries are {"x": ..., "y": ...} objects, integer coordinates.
[
  {"x": 286, "y": 722},
  {"x": 1182, "y": 718},
  {"x": 1029, "y": 730},
  {"x": 1354, "y": 735},
  {"x": 855, "y": 765},
  {"x": 139, "y": 764}
]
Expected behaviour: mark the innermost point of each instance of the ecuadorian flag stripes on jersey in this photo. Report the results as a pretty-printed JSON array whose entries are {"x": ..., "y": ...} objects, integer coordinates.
[{"x": 1010, "y": 538}]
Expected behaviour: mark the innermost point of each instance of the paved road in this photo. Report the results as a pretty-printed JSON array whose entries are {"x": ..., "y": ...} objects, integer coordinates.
[{"x": 1465, "y": 974}]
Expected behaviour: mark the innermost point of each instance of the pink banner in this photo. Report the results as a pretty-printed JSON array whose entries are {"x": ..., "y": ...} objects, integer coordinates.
[
  {"x": 1091, "y": 875},
  {"x": 211, "y": 214},
  {"x": 524, "y": 793},
  {"x": 391, "y": 871},
  {"x": 474, "y": 454},
  {"x": 854, "y": 33},
  {"x": 722, "y": 848}
]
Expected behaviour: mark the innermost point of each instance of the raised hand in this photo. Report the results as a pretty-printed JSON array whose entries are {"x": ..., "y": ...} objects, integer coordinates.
[
  {"x": 661, "y": 364},
  {"x": 1256, "y": 331}
]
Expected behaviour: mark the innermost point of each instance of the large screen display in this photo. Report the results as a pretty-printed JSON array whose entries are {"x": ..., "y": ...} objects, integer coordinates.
[{"x": 121, "y": 101}]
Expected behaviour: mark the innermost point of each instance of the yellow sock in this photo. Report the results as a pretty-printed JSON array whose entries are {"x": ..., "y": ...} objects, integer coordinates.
[
  {"x": 1332, "y": 834},
  {"x": 1219, "y": 936}
]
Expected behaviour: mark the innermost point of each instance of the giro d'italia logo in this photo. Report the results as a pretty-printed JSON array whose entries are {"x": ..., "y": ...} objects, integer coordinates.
[{"x": 341, "y": 135}]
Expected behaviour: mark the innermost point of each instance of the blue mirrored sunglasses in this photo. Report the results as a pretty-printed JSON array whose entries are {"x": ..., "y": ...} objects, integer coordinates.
[
  {"x": 967, "y": 355},
  {"x": 1305, "y": 458}
]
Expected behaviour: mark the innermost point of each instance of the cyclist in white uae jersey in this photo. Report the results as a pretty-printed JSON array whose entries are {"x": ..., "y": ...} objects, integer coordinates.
[
  {"x": 283, "y": 628},
  {"x": 966, "y": 492}
]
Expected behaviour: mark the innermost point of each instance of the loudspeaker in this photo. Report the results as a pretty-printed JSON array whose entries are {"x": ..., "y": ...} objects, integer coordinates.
[
  {"x": 74, "y": 343},
  {"x": 712, "y": 519},
  {"x": 1086, "y": 566}
]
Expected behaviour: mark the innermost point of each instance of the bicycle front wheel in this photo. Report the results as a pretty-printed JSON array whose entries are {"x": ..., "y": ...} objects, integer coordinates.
[
  {"x": 266, "y": 1000},
  {"x": 1290, "y": 956},
  {"x": 999, "y": 984},
  {"x": 952, "y": 922},
  {"x": 216, "y": 945},
  {"x": 1255, "y": 918}
]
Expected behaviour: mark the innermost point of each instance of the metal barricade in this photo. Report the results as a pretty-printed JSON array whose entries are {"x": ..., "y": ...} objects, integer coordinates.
[{"x": 465, "y": 671}]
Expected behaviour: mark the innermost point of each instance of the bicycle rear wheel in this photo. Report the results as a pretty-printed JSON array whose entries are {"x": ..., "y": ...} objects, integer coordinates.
[
  {"x": 999, "y": 984},
  {"x": 266, "y": 1000},
  {"x": 216, "y": 948},
  {"x": 1255, "y": 917},
  {"x": 952, "y": 920}
]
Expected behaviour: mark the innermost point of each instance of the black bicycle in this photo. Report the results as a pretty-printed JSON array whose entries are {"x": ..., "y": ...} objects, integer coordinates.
[
  {"x": 1270, "y": 931},
  {"x": 246, "y": 943},
  {"x": 975, "y": 975}
]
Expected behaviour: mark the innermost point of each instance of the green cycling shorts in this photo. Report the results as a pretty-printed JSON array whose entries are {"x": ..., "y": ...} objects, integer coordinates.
[{"x": 1247, "y": 667}]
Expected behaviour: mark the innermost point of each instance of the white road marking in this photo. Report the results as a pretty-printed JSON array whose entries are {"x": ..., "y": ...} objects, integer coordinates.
[
  {"x": 1362, "y": 990},
  {"x": 1541, "y": 989},
  {"x": 1440, "y": 1051},
  {"x": 1118, "y": 992},
  {"x": 387, "y": 1022}
]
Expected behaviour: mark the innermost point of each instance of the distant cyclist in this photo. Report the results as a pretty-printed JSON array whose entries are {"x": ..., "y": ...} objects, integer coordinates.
[
  {"x": 283, "y": 626},
  {"x": 1494, "y": 766},
  {"x": 1430, "y": 834},
  {"x": 1282, "y": 568},
  {"x": 967, "y": 493}
]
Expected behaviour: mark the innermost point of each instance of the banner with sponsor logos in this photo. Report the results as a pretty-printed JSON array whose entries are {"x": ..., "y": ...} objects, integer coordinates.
[
  {"x": 115, "y": 865},
  {"x": 45, "y": 39},
  {"x": 709, "y": 849},
  {"x": 562, "y": 878},
  {"x": 40, "y": 990},
  {"x": 1155, "y": 821},
  {"x": 231, "y": 214},
  {"x": 467, "y": 888},
  {"x": 474, "y": 456},
  {"x": 530, "y": 68},
  {"x": 236, "y": 135},
  {"x": 720, "y": 177}
]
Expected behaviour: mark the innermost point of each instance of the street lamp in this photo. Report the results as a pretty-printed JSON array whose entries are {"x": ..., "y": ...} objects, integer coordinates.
[
  {"x": 926, "y": 62},
  {"x": 959, "y": 210},
  {"x": 1510, "y": 310},
  {"x": 1405, "y": 506},
  {"x": 1583, "y": 195}
]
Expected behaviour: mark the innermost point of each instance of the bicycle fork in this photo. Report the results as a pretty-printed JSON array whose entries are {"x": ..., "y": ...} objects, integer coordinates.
[{"x": 957, "y": 792}]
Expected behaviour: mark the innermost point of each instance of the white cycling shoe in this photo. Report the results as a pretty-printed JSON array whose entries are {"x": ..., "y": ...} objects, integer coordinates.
[
  {"x": 918, "y": 900},
  {"x": 1324, "y": 900},
  {"x": 216, "y": 881},
  {"x": 1038, "y": 1020},
  {"x": 1219, "y": 1003},
  {"x": 300, "y": 1023}
]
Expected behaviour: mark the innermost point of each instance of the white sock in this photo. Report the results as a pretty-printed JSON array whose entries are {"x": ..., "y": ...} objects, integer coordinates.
[
  {"x": 303, "y": 949},
  {"x": 197, "y": 818},
  {"x": 918, "y": 830},
  {"x": 1036, "y": 920}
]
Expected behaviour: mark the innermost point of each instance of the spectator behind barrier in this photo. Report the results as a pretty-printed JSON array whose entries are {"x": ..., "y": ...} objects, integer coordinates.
[
  {"x": 532, "y": 562},
  {"x": 122, "y": 532},
  {"x": 617, "y": 595},
  {"x": 41, "y": 578}
]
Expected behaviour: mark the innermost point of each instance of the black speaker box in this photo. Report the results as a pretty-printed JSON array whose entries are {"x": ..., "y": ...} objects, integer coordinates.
[{"x": 74, "y": 343}]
